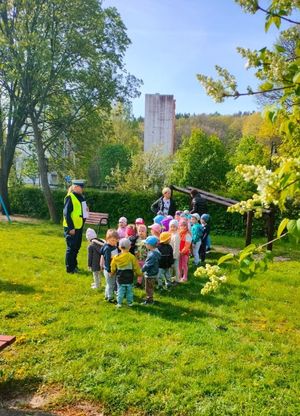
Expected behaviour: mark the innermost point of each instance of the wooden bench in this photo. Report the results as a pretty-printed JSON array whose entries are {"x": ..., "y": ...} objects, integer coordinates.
[
  {"x": 5, "y": 341},
  {"x": 97, "y": 218}
]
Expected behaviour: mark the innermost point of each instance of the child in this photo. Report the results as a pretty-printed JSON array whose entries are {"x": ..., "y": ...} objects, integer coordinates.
[
  {"x": 139, "y": 221},
  {"x": 184, "y": 249},
  {"x": 94, "y": 254},
  {"x": 109, "y": 250},
  {"x": 166, "y": 261},
  {"x": 177, "y": 215},
  {"x": 197, "y": 232},
  {"x": 125, "y": 266},
  {"x": 150, "y": 268},
  {"x": 141, "y": 250},
  {"x": 206, "y": 231},
  {"x": 175, "y": 242},
  {"x": 166, "y": 222},
  {"x": 155, "y": 230},
  {"x": 132, "y": 236},
  {"x": 122, "y": 227}
]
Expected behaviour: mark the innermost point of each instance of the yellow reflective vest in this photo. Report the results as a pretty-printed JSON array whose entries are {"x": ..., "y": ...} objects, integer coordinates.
[{"x": 76, "y": 214}]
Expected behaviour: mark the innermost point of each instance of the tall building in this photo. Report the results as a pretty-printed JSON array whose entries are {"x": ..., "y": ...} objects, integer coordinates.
[{"x": 159, "y": 129}]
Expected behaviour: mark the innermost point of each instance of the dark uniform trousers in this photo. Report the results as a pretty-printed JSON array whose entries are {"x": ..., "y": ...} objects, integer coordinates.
[{"x": 73, "y": 247}]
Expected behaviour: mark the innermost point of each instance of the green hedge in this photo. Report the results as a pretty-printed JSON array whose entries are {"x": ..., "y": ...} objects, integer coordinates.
[{"x": 30, "y": 201}]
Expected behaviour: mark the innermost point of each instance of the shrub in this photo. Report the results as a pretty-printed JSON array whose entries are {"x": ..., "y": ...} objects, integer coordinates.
[{"x": 30, "y": 201}]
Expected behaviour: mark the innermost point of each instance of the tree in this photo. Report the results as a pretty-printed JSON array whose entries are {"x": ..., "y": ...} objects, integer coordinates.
[
  {"x": 201, "y": 162},
  {"x": 68, "y": 56},
  {"x": 276, "y": 69},
  {"x": 248, "y": 151},
  {"x": 112, "y": 155},
  {"x": 279, "y": 187},
  {"x": 148, "y": 172}
]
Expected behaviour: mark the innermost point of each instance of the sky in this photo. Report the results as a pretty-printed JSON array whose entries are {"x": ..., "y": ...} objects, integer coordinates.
[{"x": 173, "y": 40}]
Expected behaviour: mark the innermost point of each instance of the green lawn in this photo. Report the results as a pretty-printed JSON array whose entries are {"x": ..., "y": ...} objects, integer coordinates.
[{"x": 231, "y": 353}]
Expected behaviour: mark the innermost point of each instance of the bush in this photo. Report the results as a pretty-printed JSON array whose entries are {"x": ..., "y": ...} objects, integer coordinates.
[{"x": 30, "y": 201}]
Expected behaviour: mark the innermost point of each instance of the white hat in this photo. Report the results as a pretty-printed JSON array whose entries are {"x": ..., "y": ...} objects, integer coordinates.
[
  {"x": 90, "y": 234},
  {"x": 196, "y": 215},
  {"x": 125, "y": 243},
  {"x": 78, "y": 182},
  {"x": 123, "y": 219}
]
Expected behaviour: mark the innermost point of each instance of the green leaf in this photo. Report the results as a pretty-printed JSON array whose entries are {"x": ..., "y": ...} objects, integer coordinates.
[
  {"x": 298, "y": 226},
  {"x": 225, "y": 258},
  {"x": 296, "y": 79},
  {"x": 292, "y": 227},
  {"x": 266, "y": 86},
  {"x": 243, "y": 277},
  {"x": 282, "y": 226},
  {"x": 248, "y": 251}
]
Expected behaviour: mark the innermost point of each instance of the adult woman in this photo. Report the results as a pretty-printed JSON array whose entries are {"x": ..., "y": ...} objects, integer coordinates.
[{"x": 165, "y": 205}]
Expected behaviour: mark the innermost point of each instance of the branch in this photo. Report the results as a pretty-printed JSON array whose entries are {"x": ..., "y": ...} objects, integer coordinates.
[
  {"x": 240, "y": 94},
  {"x": 272, "y": 241},
  {"x": 277, "y": 15}
]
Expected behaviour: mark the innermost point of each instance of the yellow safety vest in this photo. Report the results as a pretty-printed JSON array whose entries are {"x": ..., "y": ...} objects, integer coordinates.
[{"x": 76, "y": 214}]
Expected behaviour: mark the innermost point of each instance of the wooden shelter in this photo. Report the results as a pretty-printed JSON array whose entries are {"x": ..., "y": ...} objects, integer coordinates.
[{"x": 228, "y": 202}]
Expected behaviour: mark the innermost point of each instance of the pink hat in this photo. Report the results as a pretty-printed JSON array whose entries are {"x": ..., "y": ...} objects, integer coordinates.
[
  {"x": 155, "y": 227},
  {"x": 139, "y": 221}
]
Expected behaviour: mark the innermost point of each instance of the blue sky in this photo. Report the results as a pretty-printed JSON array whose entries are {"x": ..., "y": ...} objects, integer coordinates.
[{"x": 173, "y": 40}]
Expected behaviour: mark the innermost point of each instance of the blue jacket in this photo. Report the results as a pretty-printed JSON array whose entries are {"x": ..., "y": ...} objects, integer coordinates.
[
  {"x": 197, "y": 233},
  {"x": 151, "y": 265},
  {"x": 106, "y": 252}
]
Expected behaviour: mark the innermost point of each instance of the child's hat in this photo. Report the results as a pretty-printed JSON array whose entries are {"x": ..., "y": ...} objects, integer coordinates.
[
  {"x": 173, "y": 222},
  {"x": 90, "y": 234},
  {"x": 130, "y": 231},
  {"x": 205, "y": 217},
  {"x": 123, "y": 219},
  {"x": 151, "y": 240},
  {"x": 139, "y": 221},
  {"x": 125, "y": 243},
  {"x": 158, "y": 219},
  {"x": 197, "y": 216},
  {"x": 178, "y": 212},
  {"x": 166, "y": 222},
  {"x": 165, "y": 237},
  {"x": 155, "y": 227}
]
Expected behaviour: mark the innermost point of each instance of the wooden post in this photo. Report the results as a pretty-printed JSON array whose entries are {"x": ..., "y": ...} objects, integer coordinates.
[
  {"x": 270, "y": 228},
  {"x": 249, "y": 227}
]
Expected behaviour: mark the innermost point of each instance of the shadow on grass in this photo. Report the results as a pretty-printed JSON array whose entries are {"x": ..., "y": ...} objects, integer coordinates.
[
  {"x": 14, "y": 412},
  {"x": 16, "y": 393},
  {"x": 6, "y": 286},
  {"x": 165, "y": 309}
]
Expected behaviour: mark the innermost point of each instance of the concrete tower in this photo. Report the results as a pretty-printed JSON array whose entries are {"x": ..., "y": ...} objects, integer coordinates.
[{"x": 159, "y": 129}]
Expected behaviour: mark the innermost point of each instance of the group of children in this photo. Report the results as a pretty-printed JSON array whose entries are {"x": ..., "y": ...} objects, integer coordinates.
[{"x": 160, "y": 259}]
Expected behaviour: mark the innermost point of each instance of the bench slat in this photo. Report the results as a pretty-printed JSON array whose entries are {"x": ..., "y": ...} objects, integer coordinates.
[{"x": 6, "y": 340}]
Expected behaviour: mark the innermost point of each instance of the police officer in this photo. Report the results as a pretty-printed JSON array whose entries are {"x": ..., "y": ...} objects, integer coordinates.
[{"x": 75, "y": 212}]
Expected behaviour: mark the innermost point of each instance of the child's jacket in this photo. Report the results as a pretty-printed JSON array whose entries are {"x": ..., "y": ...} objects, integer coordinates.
[
  {"x": 167, "y": 258},
  {"x": 125, "y": 265},
  {"x": 94, "y": 254},
  {"x": 197, "y": 233},
  {"x": 151, "y": 265}
]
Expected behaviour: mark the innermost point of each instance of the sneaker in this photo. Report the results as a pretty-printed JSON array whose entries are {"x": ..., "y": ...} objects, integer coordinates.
[
  {"x": 130, "y": 304},
  {"x": 118, "y": 305},
  {"x": 93, "y": 286},
  {"x": 148, "y": 302},
  {"x": 111, "y": 301}
]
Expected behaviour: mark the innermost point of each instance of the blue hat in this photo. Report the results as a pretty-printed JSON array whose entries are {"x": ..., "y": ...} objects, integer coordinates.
[
  {"x": 158, "y": 219},
  {"x": 205, "y": 217},
  {"x": 78, "y": 182},
  {"x": 151, "y": 240}
]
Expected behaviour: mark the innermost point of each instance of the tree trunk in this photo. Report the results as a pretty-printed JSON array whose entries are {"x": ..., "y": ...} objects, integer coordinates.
[{"x": 43, "y": 169}]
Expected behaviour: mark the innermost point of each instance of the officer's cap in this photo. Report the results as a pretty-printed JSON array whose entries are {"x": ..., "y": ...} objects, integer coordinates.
[{"x": 78, "y": 182}]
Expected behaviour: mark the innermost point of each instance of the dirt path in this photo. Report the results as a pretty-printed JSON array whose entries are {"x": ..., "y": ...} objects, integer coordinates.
[{"x": 20, "y": 218}]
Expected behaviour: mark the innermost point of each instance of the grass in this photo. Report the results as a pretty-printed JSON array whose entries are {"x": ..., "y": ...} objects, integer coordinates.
[{"x": 232, "y": 353}]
